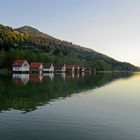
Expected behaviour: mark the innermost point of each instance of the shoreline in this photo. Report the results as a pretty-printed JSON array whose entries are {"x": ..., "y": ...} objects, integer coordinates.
[{"x": 8, "y": 71}]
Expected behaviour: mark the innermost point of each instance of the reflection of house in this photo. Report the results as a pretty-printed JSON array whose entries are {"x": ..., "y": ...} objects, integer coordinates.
[
  {"x": 20, "y": 66},
  {"x": 36, "y": 67},
  {"x": 78, "y": 75},
  {"x": 83, "y": 74},
  {"x": 69, "y": 68},
  {"x": 63, "y": 75},
  {"x": 82, "y": 69},
  {"x": 49, "y": 75},
  {"x": 73, "y": 75},
  {"x": 70, "y": 76},
  {"x": 60, "y": 68},
  {"x": 48, "y": 67},
  {"x": 77, "y": 68},
  {"x": 20, "y": 79},
  {"x": 36, "y": 78}
]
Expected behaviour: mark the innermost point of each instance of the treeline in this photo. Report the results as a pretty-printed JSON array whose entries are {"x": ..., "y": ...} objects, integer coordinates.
[
  {"x": 9, "y": 56},
  {"x": 33, "y": 45}
]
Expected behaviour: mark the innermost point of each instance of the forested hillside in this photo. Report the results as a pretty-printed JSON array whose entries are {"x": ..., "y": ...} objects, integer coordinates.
[{"x": 29, "y": 43}]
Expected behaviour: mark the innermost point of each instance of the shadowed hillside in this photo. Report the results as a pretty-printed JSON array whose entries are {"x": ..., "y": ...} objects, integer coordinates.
[{"x": 29, "y": 43}]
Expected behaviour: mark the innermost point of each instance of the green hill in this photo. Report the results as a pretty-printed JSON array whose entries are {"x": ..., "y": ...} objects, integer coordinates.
[{"x": 31, "y": 44}]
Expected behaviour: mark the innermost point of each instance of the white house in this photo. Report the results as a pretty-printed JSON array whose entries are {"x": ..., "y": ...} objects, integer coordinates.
[
  {"x": 20, "y": 66},
  {"x": 82, "y": 69},
  {"x": 60, "y": 68}
]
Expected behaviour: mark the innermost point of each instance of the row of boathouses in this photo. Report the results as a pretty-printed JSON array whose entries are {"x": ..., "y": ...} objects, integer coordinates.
[{"x": 39, "y": 67}]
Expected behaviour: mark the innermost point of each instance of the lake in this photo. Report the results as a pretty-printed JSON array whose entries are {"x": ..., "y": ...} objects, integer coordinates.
[{"x": 104, "y": 106}]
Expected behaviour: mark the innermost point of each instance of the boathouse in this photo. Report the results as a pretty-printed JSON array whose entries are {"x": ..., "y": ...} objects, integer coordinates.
[
  {"x": 82, "y": 69},
  {"x": 48, "y": 67},
  {"x": 20, "y": 66},
  {"x": 77, "y": 68},
  {"x": 69, "y": 68},
  {"x": 60, "y": 68},
  {"x": 36, "y": 68}
]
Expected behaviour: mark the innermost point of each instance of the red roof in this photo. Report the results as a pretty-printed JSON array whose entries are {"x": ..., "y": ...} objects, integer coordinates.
[
  {"x": 35, "y": 65},
  {"x": 69, "y": 67},
  {"x": 18, "y": 63}
]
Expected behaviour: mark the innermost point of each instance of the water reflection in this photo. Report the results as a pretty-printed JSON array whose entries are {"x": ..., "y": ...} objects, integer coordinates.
[
  {"x": 49, "y": 75},
  {"x": 23, "y": 79},
  {"x": 20, "y": 79},
  {"x": 38, "y": 90},
  {"x": 36, "y": 78}
]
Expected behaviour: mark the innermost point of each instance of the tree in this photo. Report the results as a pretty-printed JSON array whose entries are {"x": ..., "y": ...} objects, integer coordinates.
[{"x": 102, "y": 65}]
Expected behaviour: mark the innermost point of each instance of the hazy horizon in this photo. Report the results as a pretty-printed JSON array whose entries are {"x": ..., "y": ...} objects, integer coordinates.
[{"x": 109, "y": 27}]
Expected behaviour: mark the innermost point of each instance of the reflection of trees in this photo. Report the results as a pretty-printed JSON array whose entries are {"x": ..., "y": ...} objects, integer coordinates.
[{"x": 28, "y": 97}]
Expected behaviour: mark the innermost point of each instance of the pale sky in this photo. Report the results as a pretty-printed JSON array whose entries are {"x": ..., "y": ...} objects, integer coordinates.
[{"x": 111, "y": 27}]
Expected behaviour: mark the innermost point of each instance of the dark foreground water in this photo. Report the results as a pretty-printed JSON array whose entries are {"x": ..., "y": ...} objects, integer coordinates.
[{"x": 70, "y": 107}]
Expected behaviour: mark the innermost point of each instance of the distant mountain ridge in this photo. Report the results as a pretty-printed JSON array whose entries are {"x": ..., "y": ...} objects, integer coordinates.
[
  {"x": 44, "y": 47},
  {"x": 33, "y": 32}
]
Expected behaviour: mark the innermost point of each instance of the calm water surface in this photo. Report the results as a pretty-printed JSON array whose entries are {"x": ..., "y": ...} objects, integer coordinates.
[{"x": 70, "y": 107}]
